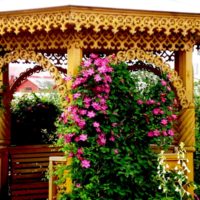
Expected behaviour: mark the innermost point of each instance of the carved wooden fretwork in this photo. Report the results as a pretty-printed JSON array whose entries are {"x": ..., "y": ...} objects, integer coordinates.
[
  {"x": 168, "y": 56},
  {"x": 88, "y": 39},
  {"x": 40, "y": 60},
  {"x": 58, "y": 59},
  {"x": 132, "y": 21},
  {"x": 176, "y": 81}
]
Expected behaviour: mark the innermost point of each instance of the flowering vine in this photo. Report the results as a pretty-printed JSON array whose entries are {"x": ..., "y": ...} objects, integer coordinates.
[{"x": 107, "y": 129}]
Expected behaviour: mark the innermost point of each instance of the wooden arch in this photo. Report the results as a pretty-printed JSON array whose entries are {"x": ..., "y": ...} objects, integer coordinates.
[
  {"x": 141, "y": 55},
  {"x": 40, "y": 60},
  {"x": 23, "y": 76}
]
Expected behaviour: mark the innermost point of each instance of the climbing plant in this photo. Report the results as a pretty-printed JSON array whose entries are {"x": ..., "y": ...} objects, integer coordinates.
[{"x": 111, "y": 119}]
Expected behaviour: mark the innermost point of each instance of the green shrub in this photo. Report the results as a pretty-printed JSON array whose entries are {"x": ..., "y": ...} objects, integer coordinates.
[{"x": 32, "y": 119}]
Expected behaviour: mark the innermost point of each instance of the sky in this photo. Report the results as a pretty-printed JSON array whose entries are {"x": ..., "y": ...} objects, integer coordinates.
[{"x": 188, "y": 6}]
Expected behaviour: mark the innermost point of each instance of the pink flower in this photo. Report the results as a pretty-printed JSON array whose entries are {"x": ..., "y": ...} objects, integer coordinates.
[
  {"x": 116, "y": 151},
  {"x": 98, "y": 62},
  {"x": 68, "y": 137},
  {"x": 150, "y": 134},
  {"x": 80, "y": 151},
  {"x": 104, "y": 107},
  {"x": 67, "y": 99},
  {"x": 114, "y": 124},
  {"x": 91, "y": 114},
  {"x": 81, "y": 123},
  {"x": 93, "y": 56},
  {"x": 87, "y": 62},
  {"x": 107, "y": 79},
  {"x": 83, "y": 137},
  {"x": 163, "y": 82},
  {"x": 76, "y": 95},
  {"x": 150, "y": 102},
  {"x": 82, "y": 112},
  {"x": 156, "y": 132},
  {"x": 70, "y": 155},
  {"x": 96, "y": 106},
  {"x": 164, "y": 133},
  {"x": 96, "y": 124},
  {"x": 67, "y": 78},
  {"x": 170, "y": 108},
  {"x": 76, "y": 139},
  {"x": 156, "y": 111},
  {"x": 85, "y": 163},
  {"x": 174, "y": 117},
  {"x": 87, "y": 100},
  {"x": 139, "y": 102},
  {"x": 101, "y": 139},
  {"x": 78, "y": 185},
  {"x": 64, "y": 117},
  {"x": 169, "y": 88},
  {"x": 171, "y": 132},
  {"x": 97, "y": 78},
  {"x": 90, "y": 71},
  {"x": 112, "y": 138},
  {"x": 164, "y": 122},
  {"x": 98, "y": 130},
  {"x": 102, "y": 69},
  {"x": 163, "y": 99}
]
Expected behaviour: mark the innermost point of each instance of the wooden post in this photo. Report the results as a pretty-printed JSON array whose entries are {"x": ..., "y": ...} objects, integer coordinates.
[
  {"x": 186, "y": 123},
  {"x": 75, "y": 56},
  {"x": 74, "y": 60},
  {"x": 4, "y": 132}
]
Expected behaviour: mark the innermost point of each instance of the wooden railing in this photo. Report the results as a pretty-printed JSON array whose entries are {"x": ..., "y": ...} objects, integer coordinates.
[{"x": 28, "y": 167}]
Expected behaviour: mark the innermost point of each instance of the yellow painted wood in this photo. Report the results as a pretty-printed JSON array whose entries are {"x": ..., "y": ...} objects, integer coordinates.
[
  {"x": 54, "y": 189},
  {"x": 186, "y": 121},
  {"x": 74, "y": 59},
  {"x": 74, "y": 56}
]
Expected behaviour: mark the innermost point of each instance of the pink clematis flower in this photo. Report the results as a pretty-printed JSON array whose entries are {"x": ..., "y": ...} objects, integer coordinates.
[
  {"x": 68, "y": 137},
  {"x": 116, "y": 151},
  {"x": 96, "y": 106},
  {"x": 171, "y": 132},
  {"x": 97, "y": 78},
  {"x": 76, "y": 95},
  {"x": 101, "y": 139},
  {"x": 150, "y": 134},
  {"x": 83, "y": 137},
  {"x": 85, "y": 163},
  {"x": 87, "y": 62},
  {"x": 163, "y": 82},
  {"x": 156, "y": 132},
  {"x": 139, "y": 102},
  {"x": 91, "y": 114},
  {"x": 96, "y": 124},
  {"x": 164, "y": 122}
]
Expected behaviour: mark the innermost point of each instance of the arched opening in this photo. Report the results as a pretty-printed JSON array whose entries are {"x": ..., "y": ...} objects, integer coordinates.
[{"x": 27, "y": 164}]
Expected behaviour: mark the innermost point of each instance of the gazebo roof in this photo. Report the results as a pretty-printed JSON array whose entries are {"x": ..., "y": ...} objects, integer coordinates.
[
  {"x": 80, "y": 20},
  {"x": 67, "y": 17}
]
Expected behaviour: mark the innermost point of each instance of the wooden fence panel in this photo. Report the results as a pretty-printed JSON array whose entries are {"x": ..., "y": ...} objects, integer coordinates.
[{"x": 28, "y": 167}]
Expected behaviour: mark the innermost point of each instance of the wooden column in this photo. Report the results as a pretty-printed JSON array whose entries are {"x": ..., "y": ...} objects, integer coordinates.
[
  {"x": 4, "y": 132},
  {"x": 74, "y": 56},
  {"x": 184, "y": 67}
]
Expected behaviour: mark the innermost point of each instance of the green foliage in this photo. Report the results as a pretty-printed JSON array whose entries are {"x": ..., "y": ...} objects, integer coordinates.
[
  {"x": 32, "y": 119},
  {"x": 197, "y": 133},
  {"x": 113, "y": 159},
  {"x": 174, "y": 181}
]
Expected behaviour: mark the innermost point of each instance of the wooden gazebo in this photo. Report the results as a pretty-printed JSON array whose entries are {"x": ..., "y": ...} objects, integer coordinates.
[{"x": 75, "y": 31}]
